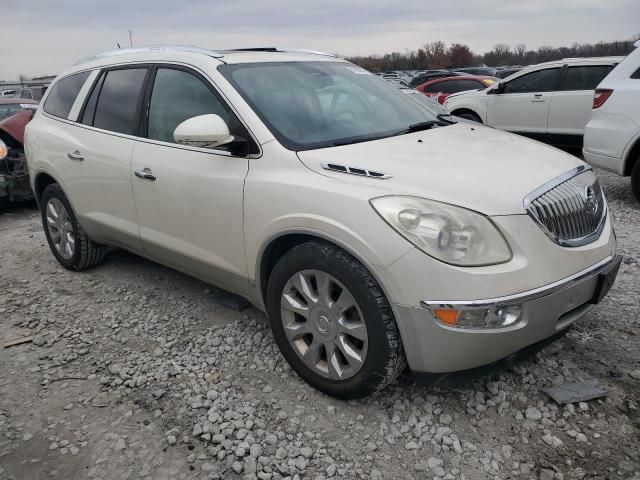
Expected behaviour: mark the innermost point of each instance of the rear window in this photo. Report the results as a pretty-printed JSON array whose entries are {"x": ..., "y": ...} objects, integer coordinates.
[
  {"x": 118, "y": 99},
  {"x": 585, "y": 77},
  {"x": 63, "y": 94}
]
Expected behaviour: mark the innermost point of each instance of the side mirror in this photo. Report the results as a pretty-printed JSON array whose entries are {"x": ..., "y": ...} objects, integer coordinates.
[
  {"x": 205, "y": 131},
  {"x": 499, "y": 88}
]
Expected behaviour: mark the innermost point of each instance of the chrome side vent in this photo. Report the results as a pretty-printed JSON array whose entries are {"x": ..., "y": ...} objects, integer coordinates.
[{"x": 334, "y": 167}]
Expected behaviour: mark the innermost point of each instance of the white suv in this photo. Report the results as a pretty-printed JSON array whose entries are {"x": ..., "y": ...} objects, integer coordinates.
[
  {"x": 612, "y": 136},
  {"x": 549, "y": 102},
  {"x": 373, "y": 233}
]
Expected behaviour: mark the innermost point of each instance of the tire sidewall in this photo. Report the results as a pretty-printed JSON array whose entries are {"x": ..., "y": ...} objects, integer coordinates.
[
  {"x": 54, "y": 191},
  {"x": 372, "y": 373}
]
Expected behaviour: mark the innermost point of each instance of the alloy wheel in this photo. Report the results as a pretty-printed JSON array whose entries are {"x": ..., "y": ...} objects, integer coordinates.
[
  {"x": 323, "y": 323},
  {"x": 60, "y": 228}
]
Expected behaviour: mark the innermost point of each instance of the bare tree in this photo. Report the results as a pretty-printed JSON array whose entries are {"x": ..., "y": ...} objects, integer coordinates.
[{"x": 436, "y": 55}]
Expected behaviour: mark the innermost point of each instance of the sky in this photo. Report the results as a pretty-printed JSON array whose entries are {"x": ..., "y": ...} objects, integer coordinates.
[{"x": 42, "y": 37}]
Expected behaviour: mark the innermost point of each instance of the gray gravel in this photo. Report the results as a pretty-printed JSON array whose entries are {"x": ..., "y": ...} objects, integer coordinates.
[{"x": 136, "y": 372}]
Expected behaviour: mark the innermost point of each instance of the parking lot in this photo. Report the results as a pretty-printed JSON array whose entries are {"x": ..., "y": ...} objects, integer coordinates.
[{"x": 137, "y": 371}]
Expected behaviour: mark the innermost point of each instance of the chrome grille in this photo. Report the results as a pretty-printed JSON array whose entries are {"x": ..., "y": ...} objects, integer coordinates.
[{"x": 570, "y": 209}]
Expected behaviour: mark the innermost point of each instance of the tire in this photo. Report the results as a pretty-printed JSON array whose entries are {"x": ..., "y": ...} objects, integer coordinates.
[
  {"x": 384, "y": 359},
  {"x": 469, "y": 116},
  {"x": 635, "y": 179},
  {"x": 85, "y": 252}
]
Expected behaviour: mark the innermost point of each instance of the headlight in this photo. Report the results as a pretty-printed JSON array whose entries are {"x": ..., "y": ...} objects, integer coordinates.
[
  {"x": 450, "y": 234},
  {"x": 4, "y": 151}
]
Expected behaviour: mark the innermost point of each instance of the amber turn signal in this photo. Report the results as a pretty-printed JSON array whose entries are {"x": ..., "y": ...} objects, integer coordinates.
[{"x": 450, "y": 317}]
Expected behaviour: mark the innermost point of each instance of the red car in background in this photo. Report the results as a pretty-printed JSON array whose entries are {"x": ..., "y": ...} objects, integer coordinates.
[
  {"x": 15, "y": 113},
  {"x": 443, "y": 87}
]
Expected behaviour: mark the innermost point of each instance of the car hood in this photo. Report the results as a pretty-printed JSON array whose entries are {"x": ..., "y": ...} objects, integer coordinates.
[{"x": 469, "y": 165}]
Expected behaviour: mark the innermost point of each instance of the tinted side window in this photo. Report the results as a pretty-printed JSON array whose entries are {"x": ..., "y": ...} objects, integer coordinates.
[
  {"x": 585, "y": 77},
  {"x": 90, "y": 107},
  {"x": 177, "y": 96},
  {"x": 469, "y": 85},
  {"x": 538, "y": 81},
  {"x": 448, "y": 86},
  {"x": 433, "y": 88},
  {"x": 118, "y": 100},
  {"x": 63, "y": 94},
  {"x": 636, "y": 75}
]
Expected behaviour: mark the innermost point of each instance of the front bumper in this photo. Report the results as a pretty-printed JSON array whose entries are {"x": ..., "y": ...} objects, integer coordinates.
[{"x": 433, "y": 347}]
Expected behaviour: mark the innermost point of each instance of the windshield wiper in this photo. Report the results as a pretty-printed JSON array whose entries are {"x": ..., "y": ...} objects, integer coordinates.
[{"x": 420, "y": 126}]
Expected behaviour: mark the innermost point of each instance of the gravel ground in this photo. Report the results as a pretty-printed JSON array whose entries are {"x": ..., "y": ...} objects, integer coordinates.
[{"x": 135, "y": 371}]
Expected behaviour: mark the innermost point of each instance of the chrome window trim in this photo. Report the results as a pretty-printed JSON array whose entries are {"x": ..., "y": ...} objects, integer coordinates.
[
  {"x": 574, "y": 242},
  {"x": 529, "y": 295}
]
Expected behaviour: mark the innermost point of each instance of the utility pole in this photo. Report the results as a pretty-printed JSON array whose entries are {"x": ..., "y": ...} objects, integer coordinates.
[{"x": 131, "y": 38}]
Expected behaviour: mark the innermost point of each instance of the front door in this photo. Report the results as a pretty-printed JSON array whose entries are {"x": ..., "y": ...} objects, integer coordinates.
[
  {"x": 523, "y": 105},
  {"x": 189, "y": 200}
]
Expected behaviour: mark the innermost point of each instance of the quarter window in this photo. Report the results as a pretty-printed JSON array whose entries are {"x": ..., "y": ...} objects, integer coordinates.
[
  {"x": 636, "y": 75},
  {"x": 177, "y": 96},
  {"x": 63, "y": 94},
  {"x": 538, "y": 81},
  {"x": 585, "y": 77},
  {"x": 117, "y": 103}
]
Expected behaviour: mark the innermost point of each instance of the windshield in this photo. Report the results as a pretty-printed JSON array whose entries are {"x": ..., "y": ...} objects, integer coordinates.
[{"x": 309, "y": 105}]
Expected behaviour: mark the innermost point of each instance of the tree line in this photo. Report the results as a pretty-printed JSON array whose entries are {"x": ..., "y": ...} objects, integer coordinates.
[{"x": 438, "y": 55}]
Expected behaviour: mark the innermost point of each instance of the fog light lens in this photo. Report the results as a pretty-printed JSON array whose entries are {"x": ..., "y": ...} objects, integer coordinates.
[{"x": 492, "y": 317}]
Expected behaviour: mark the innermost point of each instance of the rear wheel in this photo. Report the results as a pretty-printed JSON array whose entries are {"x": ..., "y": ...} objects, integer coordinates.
[
  {"x": 68, "y": 242},
  {"x": 332, "y": 321},
  {"x": 635, "y": 179},
  {"x": 469, "y": 116}
]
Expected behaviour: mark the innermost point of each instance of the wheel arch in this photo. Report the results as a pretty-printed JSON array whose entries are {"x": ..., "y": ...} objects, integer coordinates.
[
  {"x": 462, "y": 110},
  {"x": 275, "y": 247},
  {"x": 41, "y": 181},
  {"x": 632, "y": 157}
]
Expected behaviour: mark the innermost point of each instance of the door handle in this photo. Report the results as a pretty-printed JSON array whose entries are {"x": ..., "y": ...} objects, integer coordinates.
[
  {"x": 538, "y": 98},
  {"x": 75, "y": 156},
  {"x": 145, "y": 173}
]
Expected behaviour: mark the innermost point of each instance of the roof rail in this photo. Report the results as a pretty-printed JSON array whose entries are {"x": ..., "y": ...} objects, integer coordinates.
[
  {"x": 150, "y": 48},
  {"x": 283, "y": 50}
]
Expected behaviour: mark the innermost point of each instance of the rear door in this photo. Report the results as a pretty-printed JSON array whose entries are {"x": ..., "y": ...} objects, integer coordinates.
[
  {"x": 523, "y": 105},
  {"x": 570, "y": 109},
  {"x": 98, "y": 174}
]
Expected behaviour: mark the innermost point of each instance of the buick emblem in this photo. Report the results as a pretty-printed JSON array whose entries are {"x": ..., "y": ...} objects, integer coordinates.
[{"x": 590, "y": 200}]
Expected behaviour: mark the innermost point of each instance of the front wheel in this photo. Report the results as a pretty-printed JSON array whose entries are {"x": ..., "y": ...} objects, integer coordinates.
[{"x": 332, "y": 322}]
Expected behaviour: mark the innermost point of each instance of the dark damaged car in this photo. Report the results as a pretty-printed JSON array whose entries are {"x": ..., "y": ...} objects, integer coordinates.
[{"x": 15, "y": 113}]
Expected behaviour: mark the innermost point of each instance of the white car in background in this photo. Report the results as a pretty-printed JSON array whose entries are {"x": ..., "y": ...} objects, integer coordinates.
[
  {"x": 549, "y": 102},
  {"x": 612, "y": 136}
]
